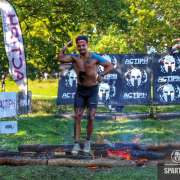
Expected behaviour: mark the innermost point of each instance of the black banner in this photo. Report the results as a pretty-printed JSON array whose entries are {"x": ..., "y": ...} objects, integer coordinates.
[
  {"x": 130, "y": 81},
  {"x": 67, "y": 87},
  {"x": 108, "y": 88},
  {"x": 166, "y": 84},
  {"x": 135, "y": 74}
]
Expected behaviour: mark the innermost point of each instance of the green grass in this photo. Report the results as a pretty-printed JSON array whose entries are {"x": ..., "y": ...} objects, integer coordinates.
[
  {"x": 44, "y": 89},
  {"x": 41, "y": 89},
  {"x": 65, "y": 173},
  {"x": 48, "y": 129}
]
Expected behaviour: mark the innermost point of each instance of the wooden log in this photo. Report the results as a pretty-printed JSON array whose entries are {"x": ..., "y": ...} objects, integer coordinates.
[
  {"x": 137, "y": 151},
  {"x": 44, "y": 148},
  {"x": 146, "y": 154},
  {"x": 98, "y": 147},
  {"x": 163, "y": 147},
  {"x": 66, "y": 162},
  {"x": 8, "y": 153},
  {"x": 101, "y": 162},
  {"x": 104, "y": 162},
  {"x": 14, "y": 161}
]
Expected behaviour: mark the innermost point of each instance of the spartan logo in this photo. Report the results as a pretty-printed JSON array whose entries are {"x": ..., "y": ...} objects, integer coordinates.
[
  {"x": 169, "y": 93},
  {"x": 70, "y": 78},
  {"x": 104, "y": 92},
  {"x": 168, "y": 64},
  {"x": 175, "y": 156},
  {"x": 135, "y": 77}
]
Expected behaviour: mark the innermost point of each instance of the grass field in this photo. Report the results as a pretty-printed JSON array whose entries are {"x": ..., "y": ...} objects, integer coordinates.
[
  {"x": 47, "y": 129},
  {"x": 44, "y": 127},
  {"x": 50, "y": 129},
  {"x": 41, "y": 89},
  {"x": 64, "y": 173}
]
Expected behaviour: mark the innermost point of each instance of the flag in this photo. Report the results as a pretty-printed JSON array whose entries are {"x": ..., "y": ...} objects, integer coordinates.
[
  {"x": 14, "y": 47},
  {"x": 14, "y": 44}
]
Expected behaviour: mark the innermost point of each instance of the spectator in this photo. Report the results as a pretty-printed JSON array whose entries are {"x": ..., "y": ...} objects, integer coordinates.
[
  {"x": 46, "y": 75},
  {"x": 3, "y": 82}
]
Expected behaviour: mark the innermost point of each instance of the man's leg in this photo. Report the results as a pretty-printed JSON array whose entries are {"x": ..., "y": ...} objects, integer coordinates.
[
  {"x": 92, "y": 102},
  {"x": 79, "y": 105},
  {"x": 77, "y": 123},
  {"x": 77, "y": 129},
  {"x": 91, "y": 116}
]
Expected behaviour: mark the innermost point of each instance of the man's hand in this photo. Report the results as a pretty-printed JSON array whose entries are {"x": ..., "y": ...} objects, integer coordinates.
[
  {"x": 65, "y": 58},
  {"x": 69, "y": 44},
  {"x": 100, "y": 76}
]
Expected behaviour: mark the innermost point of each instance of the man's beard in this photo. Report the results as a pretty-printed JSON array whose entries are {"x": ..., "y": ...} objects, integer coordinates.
[{"x": 83, "y": 52}]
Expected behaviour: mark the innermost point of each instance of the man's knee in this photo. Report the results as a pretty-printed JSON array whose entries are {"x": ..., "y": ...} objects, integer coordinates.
[
  {"x": 78, "y": 116},
  {"x": 91, "y": 115}
]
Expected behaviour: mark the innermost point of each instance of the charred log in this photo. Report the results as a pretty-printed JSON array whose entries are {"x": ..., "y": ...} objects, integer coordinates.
[
  {"x": 98, "y": 147},
  {"x": 19, "y": 161}
]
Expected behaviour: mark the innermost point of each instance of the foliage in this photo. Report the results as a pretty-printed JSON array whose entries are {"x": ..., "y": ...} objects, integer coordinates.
[
  {"x": 153, "y": 23},
  {"x": 114, "y": 26},
  {"x": 47, "y": 25}
]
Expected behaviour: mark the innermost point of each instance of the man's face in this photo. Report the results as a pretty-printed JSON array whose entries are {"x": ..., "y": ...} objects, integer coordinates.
[{"x": 82, "y": 46}]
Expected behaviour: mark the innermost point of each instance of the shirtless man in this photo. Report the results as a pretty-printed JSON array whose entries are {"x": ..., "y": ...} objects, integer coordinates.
[{"x": 85, "y": 65}]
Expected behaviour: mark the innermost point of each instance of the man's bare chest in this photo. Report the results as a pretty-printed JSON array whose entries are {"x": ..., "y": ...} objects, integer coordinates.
[{"x": 86, "y": 64}]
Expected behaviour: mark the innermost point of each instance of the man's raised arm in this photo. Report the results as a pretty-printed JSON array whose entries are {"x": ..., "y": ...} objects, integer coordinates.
[{"x": 62, "y": 57}]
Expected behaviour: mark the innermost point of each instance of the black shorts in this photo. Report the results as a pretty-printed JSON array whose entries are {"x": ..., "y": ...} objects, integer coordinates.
[{"x": 86, "y": 96}]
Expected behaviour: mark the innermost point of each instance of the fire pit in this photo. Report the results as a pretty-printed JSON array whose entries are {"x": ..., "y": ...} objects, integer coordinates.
[{"x": 103, "y": 155}]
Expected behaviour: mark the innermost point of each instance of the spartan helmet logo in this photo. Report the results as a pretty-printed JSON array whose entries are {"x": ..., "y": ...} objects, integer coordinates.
[
  {"x": 111, "y": 59},
  {"x": 168, "y": 64},
  {"x": 104, "y": 91},
  {"x": 175, "y": 156},
  {"x": 135, "y": 77},
  {"x": 169, "y": 93},
  {"x": 70, "y": 78}
]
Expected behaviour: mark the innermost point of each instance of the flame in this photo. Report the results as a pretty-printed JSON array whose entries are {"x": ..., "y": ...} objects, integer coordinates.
[
  {"x": 119, "y": 153},
  {"x": 92, "y": 167},
  {"x": 126, "y": 155}
]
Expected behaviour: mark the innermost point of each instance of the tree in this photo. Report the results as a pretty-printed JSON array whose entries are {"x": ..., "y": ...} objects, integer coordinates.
[
  {"x": 152, "y": 23},
  {"x": 47, "y": 25},
  {"x": 113, "y": 26}
]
